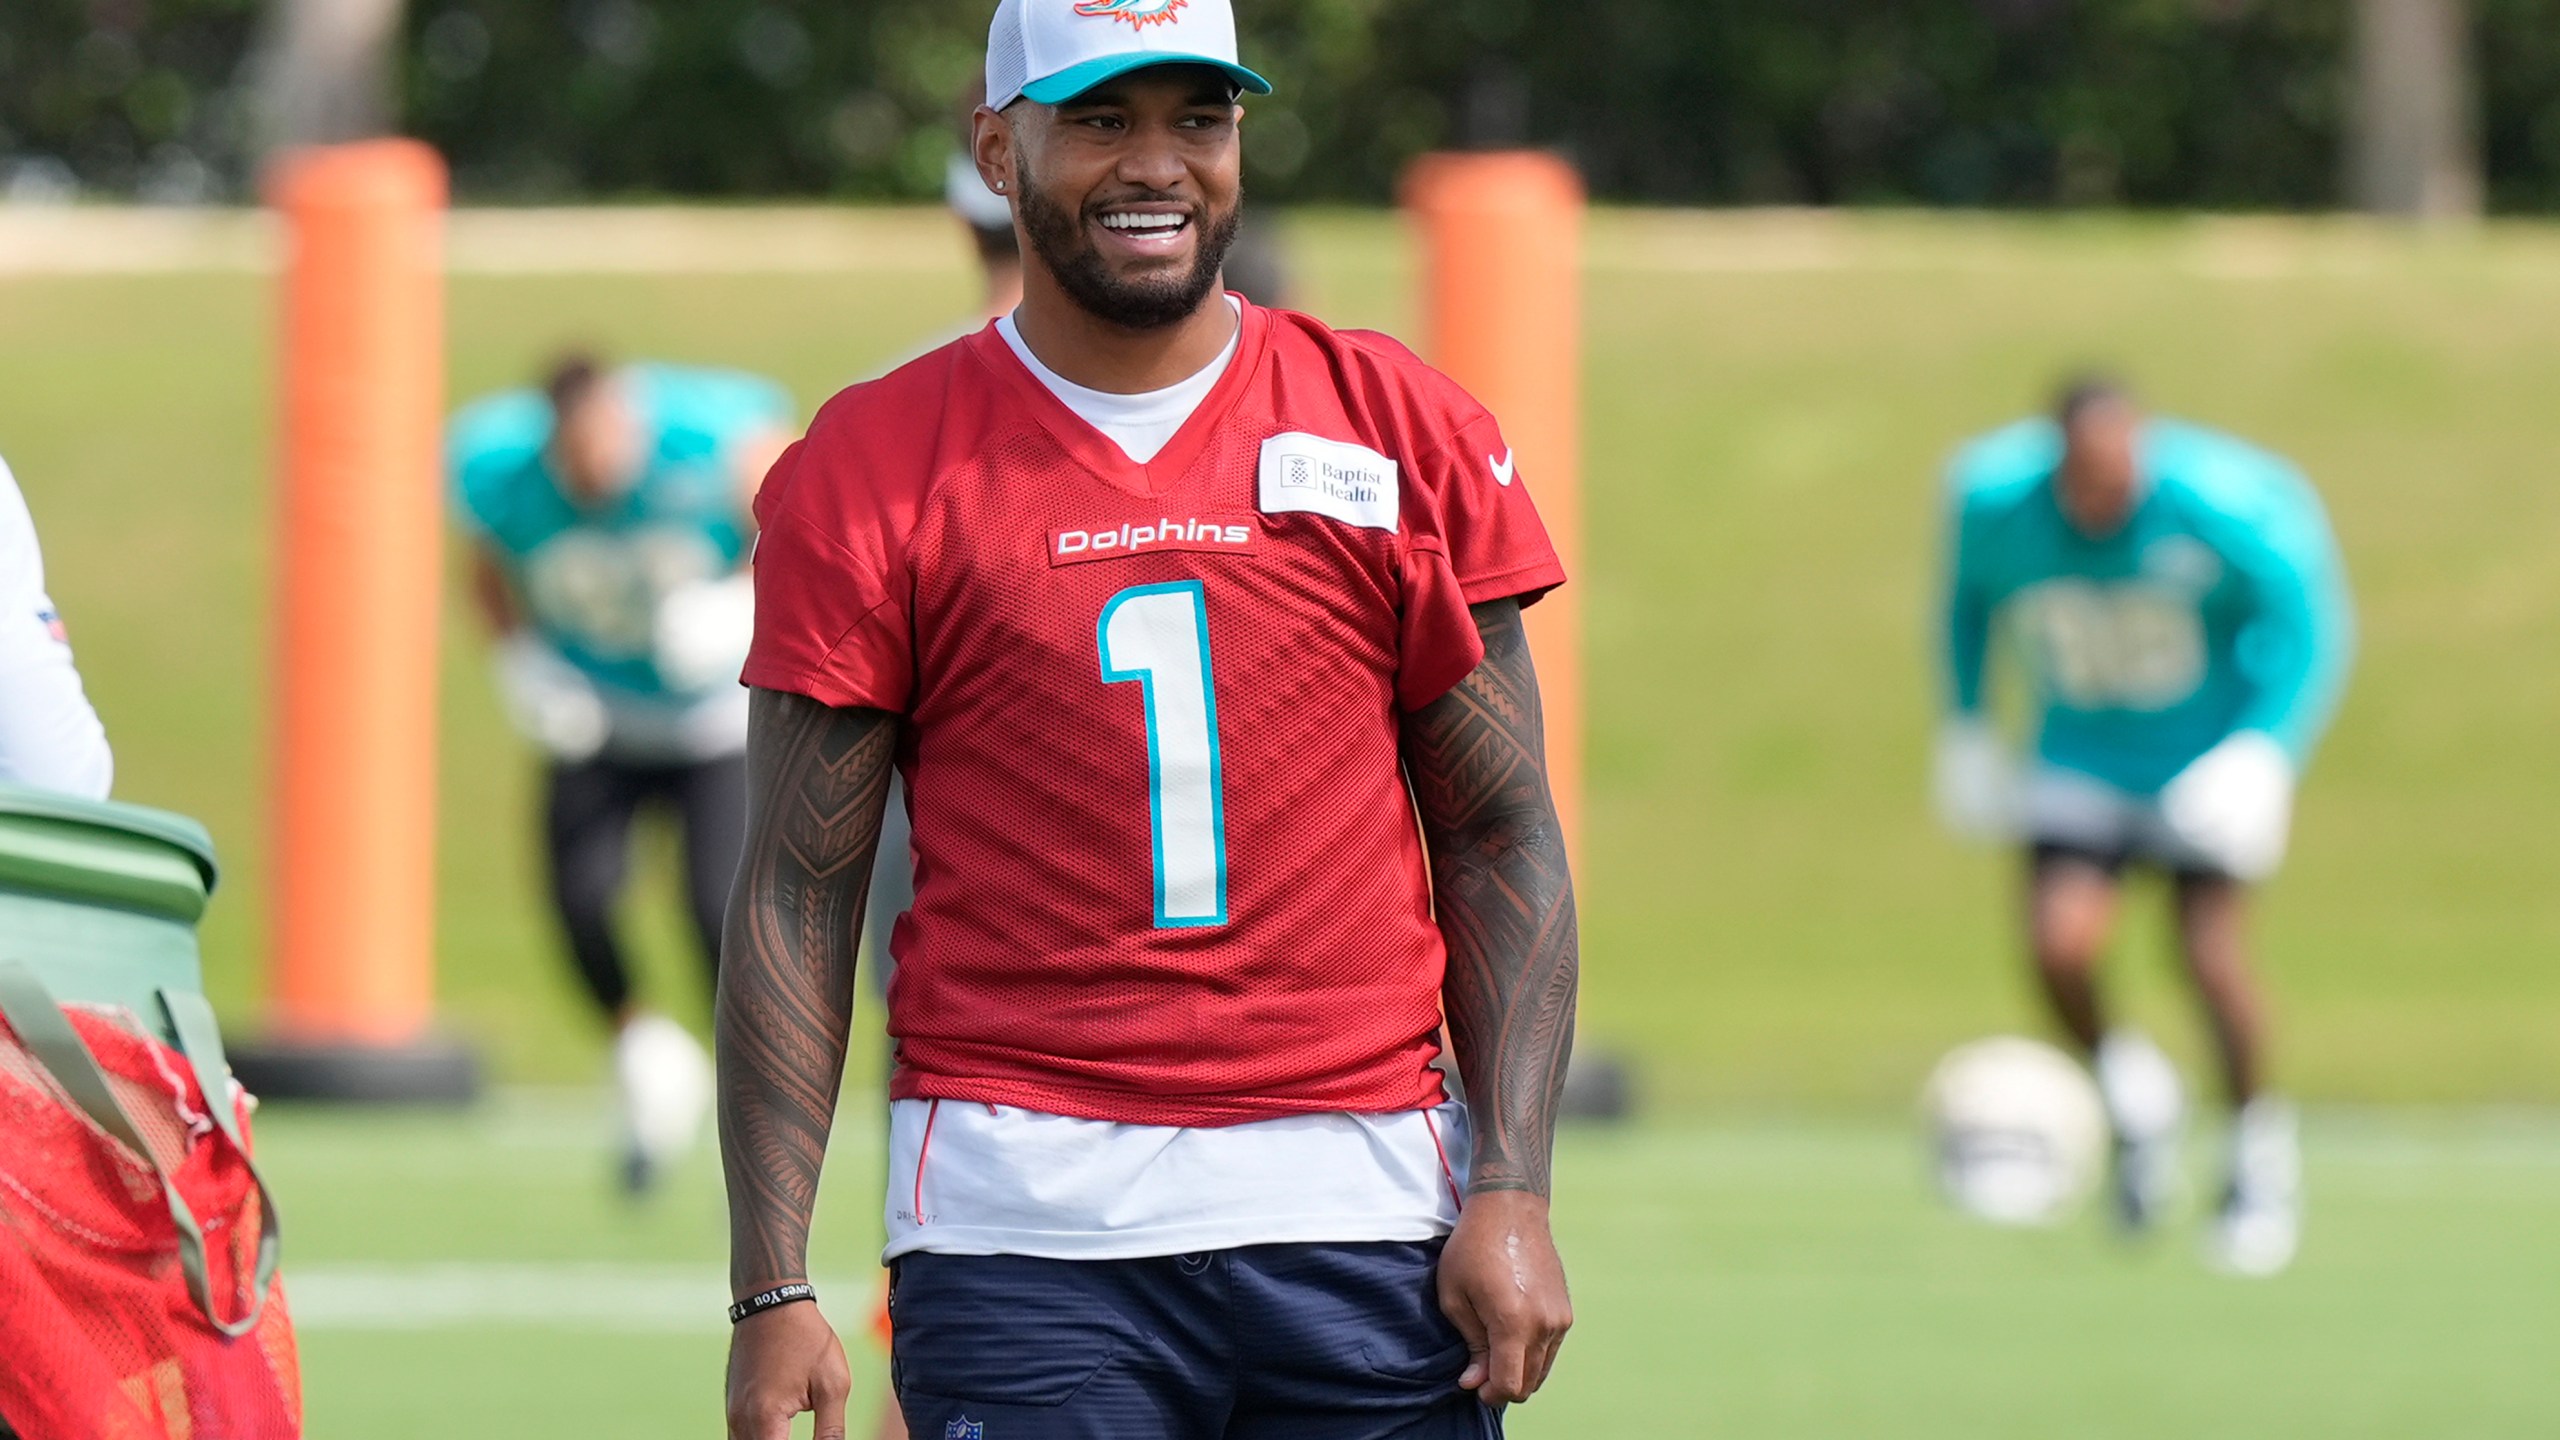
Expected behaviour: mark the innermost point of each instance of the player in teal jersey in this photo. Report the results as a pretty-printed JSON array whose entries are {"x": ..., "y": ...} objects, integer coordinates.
[
  {"x": 2183, "y": 621},
  {"x": 610, "y": 526}
]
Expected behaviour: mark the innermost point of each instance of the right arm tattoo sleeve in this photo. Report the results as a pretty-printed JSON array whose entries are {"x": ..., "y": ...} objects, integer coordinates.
[
  {"x": 817, "y": 781},
  {"x": 1503, "y": 896}
]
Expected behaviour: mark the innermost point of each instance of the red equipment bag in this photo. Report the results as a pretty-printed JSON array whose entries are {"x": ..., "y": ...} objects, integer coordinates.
[{"x": 138, "y": 1245}]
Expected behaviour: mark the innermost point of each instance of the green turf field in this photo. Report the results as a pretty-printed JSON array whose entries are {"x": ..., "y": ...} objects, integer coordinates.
[
  {"x": 1771, "y": 915},
  {"x": 1775, "y": 932},
  {"x": 1748, "y": 1281}
]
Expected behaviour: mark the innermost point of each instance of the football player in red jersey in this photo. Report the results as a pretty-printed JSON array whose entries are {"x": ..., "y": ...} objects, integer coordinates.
[{"x": 1174, "y": 614}]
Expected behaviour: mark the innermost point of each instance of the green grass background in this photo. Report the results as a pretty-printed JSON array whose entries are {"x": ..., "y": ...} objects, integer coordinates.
[
  {"x": 1740, "y": 1280},
  {"x": 1771, "y": 916},
  {"x": 1775, "y": 932}
]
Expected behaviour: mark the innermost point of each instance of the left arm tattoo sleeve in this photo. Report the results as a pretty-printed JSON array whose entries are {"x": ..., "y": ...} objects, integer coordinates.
[
  {"x": 1476, "y": 758},
  {"x": 818, "y": 780}
]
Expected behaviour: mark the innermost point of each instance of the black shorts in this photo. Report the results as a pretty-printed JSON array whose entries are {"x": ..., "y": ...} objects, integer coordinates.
[
  {"x": 1267, "y": 1342},
  {"x": 2113, "y": 862},
  {"x": 2081, "y": 820}
]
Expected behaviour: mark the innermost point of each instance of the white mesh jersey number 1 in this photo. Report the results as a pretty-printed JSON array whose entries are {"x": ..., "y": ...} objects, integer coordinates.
[{"x": 1158, "y": 636}]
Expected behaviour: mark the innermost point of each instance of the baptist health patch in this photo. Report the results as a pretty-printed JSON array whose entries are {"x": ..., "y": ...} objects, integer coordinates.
[{"x": 1349, "y": 483}]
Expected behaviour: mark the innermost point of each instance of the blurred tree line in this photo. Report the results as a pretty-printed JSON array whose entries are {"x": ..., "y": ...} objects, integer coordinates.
[
  {"x": 2219, "y": 103},
  {"x": 130, "y": 96}
]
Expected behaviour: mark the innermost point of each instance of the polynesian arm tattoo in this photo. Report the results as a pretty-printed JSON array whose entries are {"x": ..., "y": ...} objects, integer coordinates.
[
  {"x": 817, "y": 782},
  {"x": 1477, "y": 761}
]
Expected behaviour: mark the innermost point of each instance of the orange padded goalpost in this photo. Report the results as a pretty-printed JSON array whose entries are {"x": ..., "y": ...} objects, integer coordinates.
[
  {"x": 1502, "y": 265},
  {"x": 1502, "y": 314},
  {"x": 359, "y": 564}
]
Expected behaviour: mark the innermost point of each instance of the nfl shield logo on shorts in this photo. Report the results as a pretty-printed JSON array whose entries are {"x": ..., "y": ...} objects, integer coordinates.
[{"x": 964, "y": 1428}]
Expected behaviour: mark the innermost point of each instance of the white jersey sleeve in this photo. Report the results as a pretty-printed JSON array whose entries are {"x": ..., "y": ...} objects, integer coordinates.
[{"x": 50, "y": 737}]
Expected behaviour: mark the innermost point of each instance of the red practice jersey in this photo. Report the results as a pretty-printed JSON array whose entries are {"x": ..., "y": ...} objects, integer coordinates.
[{"x": 1167, "y": 870}]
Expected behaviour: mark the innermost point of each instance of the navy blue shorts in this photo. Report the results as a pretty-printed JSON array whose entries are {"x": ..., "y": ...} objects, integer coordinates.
[{"x": 1269, "y": 1342}]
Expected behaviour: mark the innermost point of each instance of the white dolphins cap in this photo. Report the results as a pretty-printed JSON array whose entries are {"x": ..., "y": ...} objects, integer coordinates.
[{"x": 1054, "y": 50}]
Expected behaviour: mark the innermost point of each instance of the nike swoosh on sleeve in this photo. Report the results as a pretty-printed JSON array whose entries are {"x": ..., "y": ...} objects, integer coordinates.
[{"x": 1503, "y": 468}]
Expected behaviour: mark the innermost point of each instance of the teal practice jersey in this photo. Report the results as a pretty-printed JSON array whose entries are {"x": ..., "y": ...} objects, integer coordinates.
[
  {"x": 2219, "y": 606},
  {"x": 591, "y": 579}
]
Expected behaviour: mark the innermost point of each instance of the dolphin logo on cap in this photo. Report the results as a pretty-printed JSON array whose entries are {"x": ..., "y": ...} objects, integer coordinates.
[{"x": 1140, "y": 13}]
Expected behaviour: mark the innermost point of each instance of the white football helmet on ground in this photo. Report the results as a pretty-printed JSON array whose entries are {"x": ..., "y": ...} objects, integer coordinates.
[{"x": 2017, "y": 1130}]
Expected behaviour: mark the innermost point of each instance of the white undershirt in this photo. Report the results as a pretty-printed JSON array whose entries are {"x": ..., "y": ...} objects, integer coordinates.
[
  {"x": 1141, "y": 425},
  {"x": 974, "y": 1179},
  {"x": 49, "y": 736},
  {"x": 997, "y": 1180}
]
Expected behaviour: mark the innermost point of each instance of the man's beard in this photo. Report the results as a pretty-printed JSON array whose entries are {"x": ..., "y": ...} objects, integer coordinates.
[{"x": 1152, "y": 303}]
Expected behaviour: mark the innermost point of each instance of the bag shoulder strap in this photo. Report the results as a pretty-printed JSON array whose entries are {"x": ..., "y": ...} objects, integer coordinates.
[
  {"x": 48, "y": 1035},
  {"x": 200, "y": 1040}
]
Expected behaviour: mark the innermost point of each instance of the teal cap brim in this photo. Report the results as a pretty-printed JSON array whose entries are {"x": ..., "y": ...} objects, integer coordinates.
[{"x": 1073, "y": 81}]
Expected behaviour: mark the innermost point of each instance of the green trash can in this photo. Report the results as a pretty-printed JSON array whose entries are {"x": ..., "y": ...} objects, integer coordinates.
[{"x": 101, "y": 899}]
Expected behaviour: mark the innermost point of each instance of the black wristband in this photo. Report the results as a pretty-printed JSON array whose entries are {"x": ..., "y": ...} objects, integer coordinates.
[{"x": 773, "y": 1299}]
